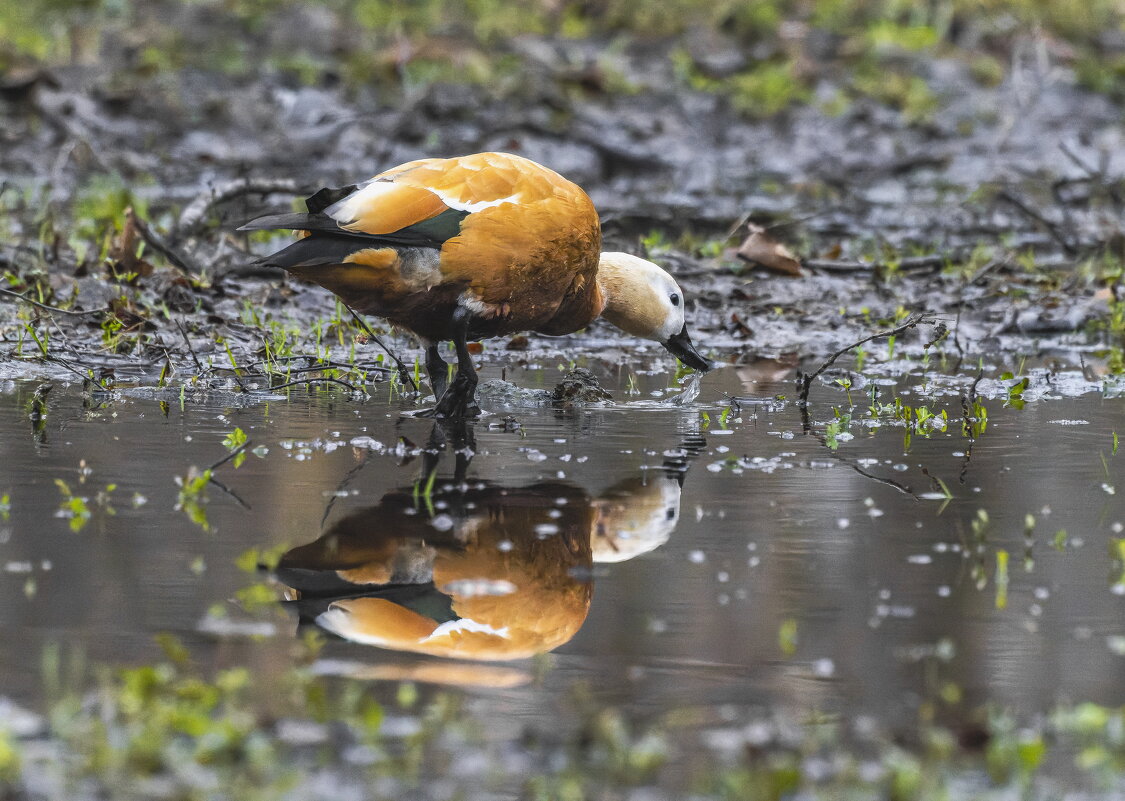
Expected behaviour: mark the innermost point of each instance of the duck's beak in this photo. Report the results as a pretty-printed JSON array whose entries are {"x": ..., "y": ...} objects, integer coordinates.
[{"x": 681, "y": 347}]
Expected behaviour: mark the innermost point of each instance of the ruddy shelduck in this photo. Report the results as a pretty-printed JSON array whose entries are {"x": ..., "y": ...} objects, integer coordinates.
[{"x": 477, "y": 246}]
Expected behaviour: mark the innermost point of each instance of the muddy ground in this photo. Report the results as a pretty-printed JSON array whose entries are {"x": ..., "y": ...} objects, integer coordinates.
[{"x": 999, "y": 208}]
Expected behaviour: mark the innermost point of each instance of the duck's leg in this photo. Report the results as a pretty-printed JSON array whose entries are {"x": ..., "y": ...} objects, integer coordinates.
[
  {"x": 458, "y": 399},
  {"x": 438, "y": 371}
]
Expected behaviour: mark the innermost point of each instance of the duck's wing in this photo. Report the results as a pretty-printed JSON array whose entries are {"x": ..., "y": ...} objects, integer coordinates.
[
  {"x": 433, "y": 196},
  {"x": 421, "y": 202}
]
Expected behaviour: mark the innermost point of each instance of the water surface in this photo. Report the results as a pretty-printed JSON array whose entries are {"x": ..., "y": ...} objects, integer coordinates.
[{"x": 785, "y": 574}]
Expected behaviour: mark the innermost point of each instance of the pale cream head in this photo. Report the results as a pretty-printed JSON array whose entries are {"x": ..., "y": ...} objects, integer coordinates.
[{"x": 641, "y": 298}]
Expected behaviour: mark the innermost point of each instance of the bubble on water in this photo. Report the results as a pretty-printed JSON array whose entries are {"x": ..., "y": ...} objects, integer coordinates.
[
  {"x": 920, "y": 559},
  {"x": 944, "y": 591},
  {"x": 697, "y": 557}
]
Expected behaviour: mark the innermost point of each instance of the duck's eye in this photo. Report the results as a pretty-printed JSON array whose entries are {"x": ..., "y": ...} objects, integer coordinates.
[{"x": 675, "y": 299}]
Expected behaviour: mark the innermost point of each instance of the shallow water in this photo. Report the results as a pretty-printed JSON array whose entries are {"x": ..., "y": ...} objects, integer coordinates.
[{"x": 784, "y": 575}]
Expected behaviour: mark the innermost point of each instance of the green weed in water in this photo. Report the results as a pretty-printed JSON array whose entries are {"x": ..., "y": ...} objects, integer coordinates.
[
  {"x": 787, "y": 636},
  {"x": 192, "y": 497},
  {"x": 1001, "y": 578},
  {"x": 233, "y": 441}
]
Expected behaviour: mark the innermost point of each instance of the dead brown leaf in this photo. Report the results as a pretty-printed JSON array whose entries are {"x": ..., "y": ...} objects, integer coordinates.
[{"x": 761, "y": 248}]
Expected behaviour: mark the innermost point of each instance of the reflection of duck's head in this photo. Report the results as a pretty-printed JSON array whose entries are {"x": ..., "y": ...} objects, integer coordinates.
[
  {"x": 489, "y": 573},
  {"x": 635, "y": 516}
]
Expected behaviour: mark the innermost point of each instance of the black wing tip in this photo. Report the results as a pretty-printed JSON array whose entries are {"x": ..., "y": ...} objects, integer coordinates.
[{"x": 322, "y": 199}]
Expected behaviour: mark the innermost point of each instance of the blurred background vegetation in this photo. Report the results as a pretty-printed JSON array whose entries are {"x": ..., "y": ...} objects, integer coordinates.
[{"x": 765, "y": 55}]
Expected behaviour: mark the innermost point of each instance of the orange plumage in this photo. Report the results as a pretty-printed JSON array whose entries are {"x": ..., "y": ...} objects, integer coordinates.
[{"x": 472, "y": 247}]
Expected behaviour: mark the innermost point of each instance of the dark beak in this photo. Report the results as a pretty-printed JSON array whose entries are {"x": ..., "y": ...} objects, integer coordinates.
[{"x": 681, "y": 347}]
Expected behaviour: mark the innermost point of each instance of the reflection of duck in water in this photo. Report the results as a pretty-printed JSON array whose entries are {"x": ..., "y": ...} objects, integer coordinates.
[{"x": 483, "y": 572}]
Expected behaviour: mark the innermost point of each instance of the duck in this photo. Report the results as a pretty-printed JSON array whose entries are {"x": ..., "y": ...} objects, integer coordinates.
[{"x": 470, "y": 247}]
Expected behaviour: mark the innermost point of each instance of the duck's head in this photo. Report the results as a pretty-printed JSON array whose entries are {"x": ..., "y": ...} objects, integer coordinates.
[{"x": 645, "y": 301}]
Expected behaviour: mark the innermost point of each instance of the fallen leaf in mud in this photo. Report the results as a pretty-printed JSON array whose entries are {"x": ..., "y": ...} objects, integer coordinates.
[
  {"x": 763, "y": 249},
  {"x": 123, "y": 251},
  {"x": 518, "y": 342},
  {"x": 738, "y": 328},
  {"x": 475, "y": 348}
]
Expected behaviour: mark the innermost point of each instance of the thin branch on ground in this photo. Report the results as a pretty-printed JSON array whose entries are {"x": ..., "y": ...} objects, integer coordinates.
[
  {"x": 931, "y": 261},
  {"x": 804, "y": 381},
  {"x": 307, "y": 381},
  {"x": 403, "y": 373},
  {"x": 1056, "y": 233},
  {"x": 191, "y": 350},
  {"x": 175, "y": 257},
  {"x": 194, "y": 216},
  {"x": 45, "y": 307}
]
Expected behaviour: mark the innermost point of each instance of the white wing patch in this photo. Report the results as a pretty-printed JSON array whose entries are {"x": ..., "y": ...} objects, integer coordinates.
[
  {"x": 350, "y": 208},
  {"x": 461, "y": 205},
  {"x": 466, "y": 624}
]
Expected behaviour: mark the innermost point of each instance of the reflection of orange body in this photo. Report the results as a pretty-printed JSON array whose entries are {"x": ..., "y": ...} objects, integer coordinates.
[{"x": 495, "y": 574}]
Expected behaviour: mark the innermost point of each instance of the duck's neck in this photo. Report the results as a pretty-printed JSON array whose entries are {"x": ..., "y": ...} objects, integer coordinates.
[{"x": 620, "y": 306}]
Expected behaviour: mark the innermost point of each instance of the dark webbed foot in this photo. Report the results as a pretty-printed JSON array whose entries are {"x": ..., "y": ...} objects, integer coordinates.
[{"x": 458, "y": 400}]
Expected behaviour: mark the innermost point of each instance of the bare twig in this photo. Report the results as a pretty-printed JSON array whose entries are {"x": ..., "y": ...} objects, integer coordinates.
[
  {"x": 45, "y": 307},
  {"x": 403, "y": 373},
  {"x": 229, "y": 456},
  {"x": 194, "y": 216},
  {"x": 890, "y": 482},
  {"x": 805, "y": 380},
  {"x": 352, "y": 473},
  {"x": 967, "y": 401},
  {"x": 908, "y": 264},
  {"x": 176, "y": 258},
  {"x": 191, "y": 350},
  {"x": 230, "y": 492},
  {"x": 295, "y": 382},
  {"x": 1056, "y": 233}
]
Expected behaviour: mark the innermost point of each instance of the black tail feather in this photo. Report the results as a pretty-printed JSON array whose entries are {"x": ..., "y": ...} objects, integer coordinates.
[
  {"x": 311, "y": 251},
  {"x": 295, "y": 221}
]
